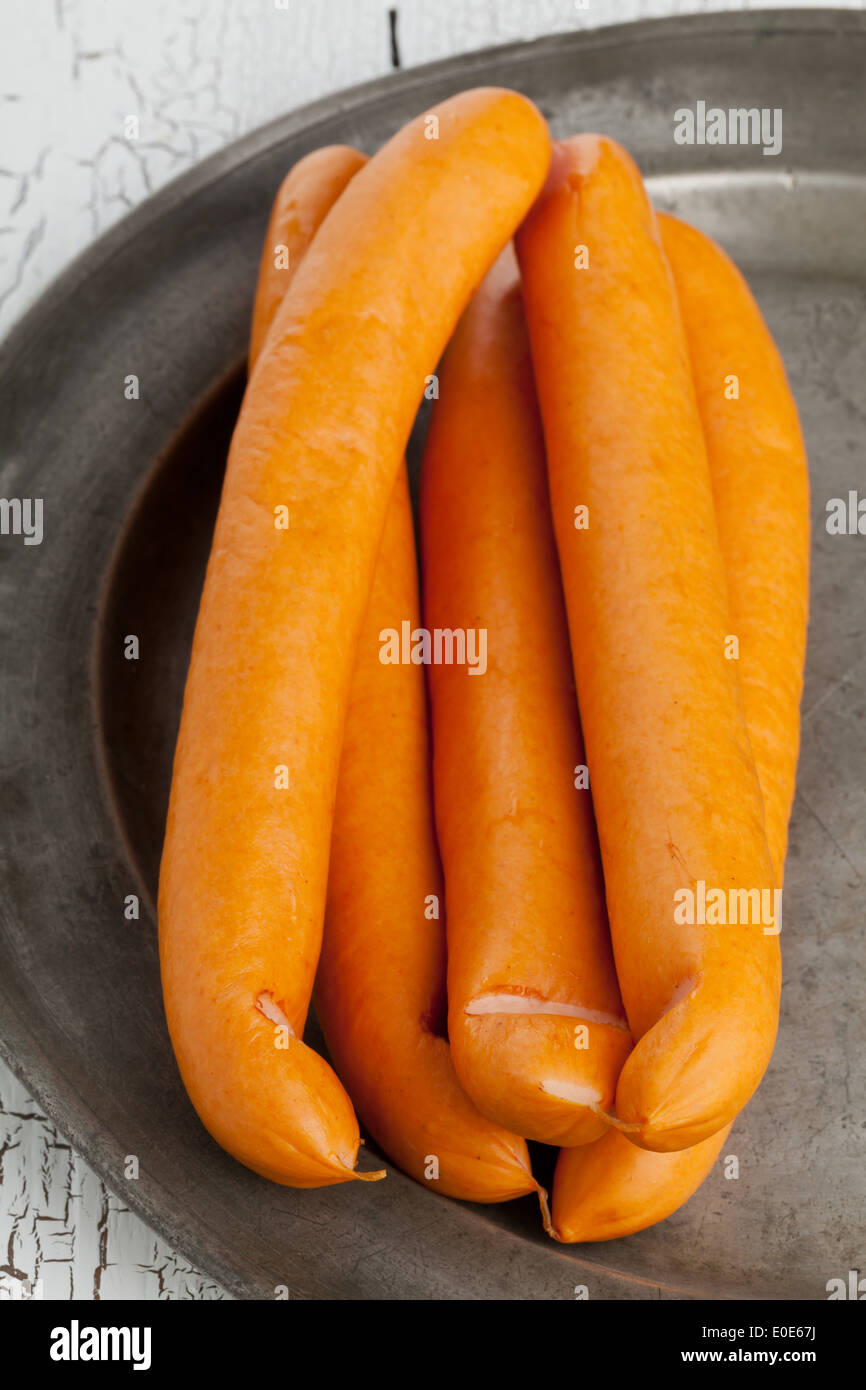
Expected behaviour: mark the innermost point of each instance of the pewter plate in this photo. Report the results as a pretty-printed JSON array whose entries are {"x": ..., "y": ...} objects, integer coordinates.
[{"x": 130, "y": 490}]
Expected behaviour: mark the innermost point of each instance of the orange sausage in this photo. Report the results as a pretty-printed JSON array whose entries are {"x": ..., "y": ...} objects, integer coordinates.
[
  {"x": 318, "y": 443},
  {"x": 536, "y": 1024},
  {"x": 612, "y": 1188},
  {"x": 306, "y": 195},
  {"x": 760, "y": 480},
  {"x": 761, "y": 494},
  {"x": 380, "y": 986},
  {"x": 677, "y": 799}
]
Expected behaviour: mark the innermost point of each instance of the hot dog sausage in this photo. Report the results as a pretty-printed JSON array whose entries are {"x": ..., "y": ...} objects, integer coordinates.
[
  {"x": 318, "y": 443},
  {"x": 677, "y": 800}
]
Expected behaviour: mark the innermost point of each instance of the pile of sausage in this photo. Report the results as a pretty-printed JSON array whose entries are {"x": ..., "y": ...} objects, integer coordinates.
[{"x": 614, "y": 492}]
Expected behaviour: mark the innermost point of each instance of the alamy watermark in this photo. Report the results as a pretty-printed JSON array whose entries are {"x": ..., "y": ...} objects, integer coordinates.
[
  {"x": 22, "y": 516},
  {"x": 720, "y": 907},
  {"x": 740, "y": 125},
  {"x": 438, "y": 646},
  {"x": 77, "y": 1343}
]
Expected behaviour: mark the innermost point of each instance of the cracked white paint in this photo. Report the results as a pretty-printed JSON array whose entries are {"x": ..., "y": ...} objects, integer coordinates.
[
  {"x": 196, "y": 74},
  {"x": 62, "y": 1233}
]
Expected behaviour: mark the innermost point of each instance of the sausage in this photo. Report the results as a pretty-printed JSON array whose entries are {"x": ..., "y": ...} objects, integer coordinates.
[
  {"x": 304, "y": 198},
  {"x": 676, "y": 793},
  {"x": 760, "y": 479},
  {"x": 613, "y": 1188},
  {"x": 318, "y": 443},
  {"x": 760, "y": 487},
  {"x": 536, "y": 1024},
  {"x": 380, "y": 985},
  {"x": 380, "y": 988}
]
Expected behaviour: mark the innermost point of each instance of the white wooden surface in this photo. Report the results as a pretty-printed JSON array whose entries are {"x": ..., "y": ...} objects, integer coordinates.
[{"x": 197, "y": 74}]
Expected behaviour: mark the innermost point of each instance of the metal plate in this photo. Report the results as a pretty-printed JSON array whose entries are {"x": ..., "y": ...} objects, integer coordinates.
[{"x": 129, "y": 491}]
